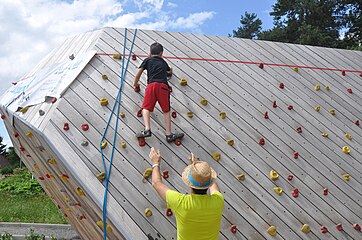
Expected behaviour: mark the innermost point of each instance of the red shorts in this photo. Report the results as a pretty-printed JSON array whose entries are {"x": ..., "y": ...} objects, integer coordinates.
[{"x": 157, "y": 92}]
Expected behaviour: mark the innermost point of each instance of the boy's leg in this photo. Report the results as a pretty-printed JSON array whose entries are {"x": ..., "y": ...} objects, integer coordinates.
[
  {"x": 167, "y": 117},
  {"x": 146, "y": 118},
  {"x": 149, "y": 102}
]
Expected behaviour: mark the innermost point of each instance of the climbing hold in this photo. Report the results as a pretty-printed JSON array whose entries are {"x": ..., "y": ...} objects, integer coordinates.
[
  {"x": 24, "y": 109},
  {"x": 346, "y": 177},
  {"x": 230, "y": 142},
  {"x": 165, "y": 174},
  {"x": 266, "y": 115},
  {"x": 216, "y": 156},
  {"x": 101, "y": 176},
  {"x": 137, "y": 88},
  {"x": 29, "y": 134},
  {"x": 183, "y": 82},
  {"x": 141, "y": 141},
  {"x": 349, "y": 90},
  {"x": 41, "y": 112},
  {"x": 117, "y": 56},
  {"x": 317, "y": 108},
  {"x": 80, "y": 191},
  {"x": 178, "y": 142},
  {"x": 346, "y": 150},
  {"x": 64, "y": 176},
  {"x": 296, "y": 69},
  {"x": 123, "y": 144},
  {"x": 327, "y": 88},
  {"x": 104, "y": 144},
  {"x": 275, "y": 104},
  {"x": 305, "y": 228},
  {"x": 325, "y": 191},
  {"x": 100, "y": 224},
  {"x": 122, "y": 115},
  {"x": 104, "y": 77},
  {"x": 104, "y": 101},
  {"x": 51, "y": 175},
  {"x": 332, "y": 111},
  {"x": 52, "y": 161},
  {"x": 278, "y": 190},
  {"x": 190, "y": 114},
  {"x": 339, "y": 227},
  {"x": 281, "y": 86},
  {"x": 54, "y": 99},
  {"x": 296, "y": 155},
  {"x": 290, "y": 177},
  {"x": 261, "y": 65},
  {"x": 324, "y": 134},
  {"x": 3, "y": 116},
  {"x": 357, "y": 227},
  {"x": 148, "y": 212},
  {"x": 85, "y": 143},
  {"x": 174, "y": 114},
  {"x": 47, "y": 175},
  {"x": 108, "y": 227},
  {"x": 71, "y": 57},
  {"x": 290, "y": 107},
  {"x": 222, "y": 115},
  {"x": 299, "y": 130},
  {"x": 356, "y": 122},
  {"x": 317, "y": 87},
  {"x": 147, "y": 173},
  {"x": 343, "y": 73},
  {"x": 295, "y": 192},
  {"x": 168, "y": 212},
  {"x": 41, "y": 178},
  {"x": 241, "y": 177},
  {"x": 262, "y": 141},
  {"x": 233, "y": 228},
  {"x": 36, "y": 166},
  {"x": 16, "y": 135},
  {"x": 66, "y": 126},
  {"x": 81, "y": 217},
  {"x": 349, "y": 137},
  {"x": 272, "y": 230},
  {"x": 77, "y": 204},
  {"x": 324, "y": 229},
  {"x": 134, "y": 57},
  {"x": 273, "y": 175},
  {"x": 139, "y": 113},
  {"x": 85, "y": 127},
  {"x": 203, "y": 102}
]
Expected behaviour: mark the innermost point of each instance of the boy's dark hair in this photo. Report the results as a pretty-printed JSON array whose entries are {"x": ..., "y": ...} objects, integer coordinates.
[
  {"x": 156, "y": 48},
  {"x": 199, "y": 191}
]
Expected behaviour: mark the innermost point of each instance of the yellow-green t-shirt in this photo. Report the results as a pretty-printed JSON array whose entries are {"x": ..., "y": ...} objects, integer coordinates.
[{"x": 198, "y": 217}]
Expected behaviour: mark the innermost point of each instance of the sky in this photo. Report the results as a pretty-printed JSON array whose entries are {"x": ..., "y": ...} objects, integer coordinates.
[{"x": 30, "y": 29}]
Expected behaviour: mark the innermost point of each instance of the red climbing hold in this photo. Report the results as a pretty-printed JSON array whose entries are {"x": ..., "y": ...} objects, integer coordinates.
[
  {"x": 275, "y": 104},
  {"x": 134, "y": 57},
  {"x": 66, "y": 127},
  {"x": 290, "y": 107},
  {"x": 233, "y": 228},
  {"x": 290, "y": 177},
  {"x": 82, "y": 217},
  {"x": 137, "y": 88},
  {"x": 85, "y": 127},
  {"x": 170, "y": 89},
  {"x": 22, "y": 149},
  {"x": 325, "y": 191},
  {"x": 16, "y": 135},
  {"x": 77, "y": 204},
  {"x": 65, "y": 175},
  {"x": 296, "y": 155},
  {"x": 343, "y": 73},
  {"x": 356, "y": 122},
  {"x": 41, "y": 178},
  {"x": 357, "y": 227},
  {"x": 168, "y": 212},
  {"x": 349, "y": 90},
  {"x": 47, "y": 175},
  {"x": 261, "y": 65},
  {"x": 299, "y": 130},
  {"x": 54, "y": 99},
  {"x": 262, "y": 141},
  {"x": 139, "y": 113},
  {"x": 178, "y": 142},
  {"x": 295, "y": 192},
  {"x": 324, "y": 229},
  {"x": 2, "y": 116},
  {"x": 174, "y": 114},
  {"x": 141, "y": 141},
  {"x": 165, "y": 174},
  {"x": 266, "y": 115},
  {"x": 281, "y": 85},
  {"x": 339, "y": 227}
]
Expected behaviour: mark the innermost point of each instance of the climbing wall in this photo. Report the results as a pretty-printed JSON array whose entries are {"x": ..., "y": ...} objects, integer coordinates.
[{"x": 278, "y": 122}]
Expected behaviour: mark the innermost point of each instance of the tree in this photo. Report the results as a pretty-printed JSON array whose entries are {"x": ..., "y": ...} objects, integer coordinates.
[
  {"x": 351, "y": 12},
  {"x": 2, "y": 147},
  {"x": 12, "y": 156},
  {"x": 250, "y": 26}
]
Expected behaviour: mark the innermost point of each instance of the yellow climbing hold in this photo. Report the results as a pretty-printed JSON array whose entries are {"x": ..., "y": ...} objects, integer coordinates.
[
  {"x": 317, "y": 87},
  {"x": 346, "y": 150},
  {"x": 183, "y": 82},
  {"x": 349, "y": 137},
  {"x": 29, "y": 134},
  {"x": 327, "y": 88},
  {"x": 216, "y": 156},
  {"x": 80, "y": 191},
  {"x": 52, "y": 161},
  {"x": 278, "y": 190},
  {"x": 222, "y": 115},
  {"x": 24, "y": 109},
  {"x": 36, "y": 166},
  {"x": 108, "y": 228},
  {"x": 117, "y": 56},
  {"x": 273, "y": 175},
  {"x": 147, "y": 173},
  {"x": 317, "y": 108},
  {"x": 104, "y": 101},
  {"x": 332, "y": 111},
  {"x": 101, "y": 176},
  {"x": 296, "y": 69},
  {"x": 324, "y": 134},
  {"x": 346, "y": 177},
  {"x": 123, "y": 144},
  {"x": 148, "y": 212},
  {"x": 305, "y": 228},
  {"x": 100, "y": 223},
  {"x": 230, "y": 142},
  {"x": 203, "y": 102},
  {"x": 104, "y": 144},
  {"x": 122, "y": 115},
  {"x": 67, "y": 200},
  {"x": 104, "y": 77},
  {"x": 190, "y": 114},
  {"x": 241, "y": 177},
  {"x": 272, "y": 230}
]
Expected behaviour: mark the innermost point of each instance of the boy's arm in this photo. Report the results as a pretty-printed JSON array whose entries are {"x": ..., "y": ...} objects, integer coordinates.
[
  {"x": 137, "y": 77},
  {"x": 157, "y": 183}
]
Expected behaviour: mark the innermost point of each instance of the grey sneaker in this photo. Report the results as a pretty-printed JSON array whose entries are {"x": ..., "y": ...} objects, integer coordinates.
[
  {"x": 144, "y": 133},
  {"x": 173, "y": 136}
]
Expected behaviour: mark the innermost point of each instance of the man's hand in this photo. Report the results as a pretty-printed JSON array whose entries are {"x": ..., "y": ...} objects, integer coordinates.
[{"x": 155, "y": 156}]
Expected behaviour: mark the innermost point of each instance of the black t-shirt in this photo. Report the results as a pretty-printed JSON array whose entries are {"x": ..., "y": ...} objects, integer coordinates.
[{"x": 156, "y": 69}]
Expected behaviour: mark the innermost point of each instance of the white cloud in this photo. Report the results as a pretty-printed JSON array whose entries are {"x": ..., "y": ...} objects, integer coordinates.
[
  {"x": 193, "y": 21},
  {"x": 172, "y": 5}
]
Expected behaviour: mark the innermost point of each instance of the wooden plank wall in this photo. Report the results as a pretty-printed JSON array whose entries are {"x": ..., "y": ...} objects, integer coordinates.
[{"x": 242, "y": 90}]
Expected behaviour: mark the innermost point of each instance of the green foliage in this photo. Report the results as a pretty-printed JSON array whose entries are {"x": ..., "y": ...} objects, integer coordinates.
[
  {"x": 7, "y": 170},
  {"x": 20, "y": 183},
  {"x": 2, "y": 147},
  {"x": 12, "y": 156},
  {"x": 250, "y": 26},
  {"x": 34, "y": 236},
  {"x": 6, "y": 236}
]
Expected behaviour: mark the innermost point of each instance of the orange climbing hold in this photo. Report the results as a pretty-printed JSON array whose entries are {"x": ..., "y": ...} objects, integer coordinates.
[
  {"x": 296, "y": 69},
  {"x": 101, "y": 176},
  {"x": 346, "y": 177},
  {"x": 122, "y": 115},
  {"x": 29, "y": 134},
  {"x": 52, "y": 161},
  {"x": 80, "y": 191},
  {"x": 190, "y": 114},
  {"x": 278, "y": 190},
  {"x": 123, "y": 144}
]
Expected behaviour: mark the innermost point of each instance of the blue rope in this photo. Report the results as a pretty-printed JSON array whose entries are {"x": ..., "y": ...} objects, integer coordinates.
[{"x": 107, "y": 172}]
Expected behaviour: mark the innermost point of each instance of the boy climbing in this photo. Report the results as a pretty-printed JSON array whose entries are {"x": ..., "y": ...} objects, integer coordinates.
[{"x": 157, "y": 90}]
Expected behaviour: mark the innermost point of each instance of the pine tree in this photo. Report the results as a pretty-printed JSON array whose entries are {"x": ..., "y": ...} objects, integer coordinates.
[
  {"x": 250, "y": 26},
  {"x": 2, "y": 147}
]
